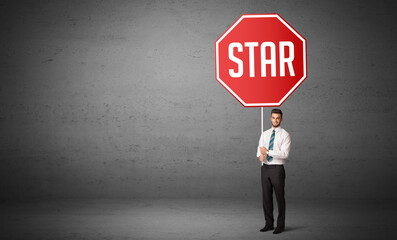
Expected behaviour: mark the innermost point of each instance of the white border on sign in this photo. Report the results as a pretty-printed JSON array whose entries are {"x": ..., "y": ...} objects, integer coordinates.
[{"x": 230, "y": 29}]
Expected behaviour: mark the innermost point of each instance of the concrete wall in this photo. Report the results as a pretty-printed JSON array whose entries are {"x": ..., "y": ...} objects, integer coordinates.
[{"x": 119, "y": 99}]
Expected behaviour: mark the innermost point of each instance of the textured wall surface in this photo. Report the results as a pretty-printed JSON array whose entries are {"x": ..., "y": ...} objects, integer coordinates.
[{"x": 119, "y": 99}]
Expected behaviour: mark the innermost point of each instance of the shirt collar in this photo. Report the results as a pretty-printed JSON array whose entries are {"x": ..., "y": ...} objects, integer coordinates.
[{"x": 276, "y": 129}]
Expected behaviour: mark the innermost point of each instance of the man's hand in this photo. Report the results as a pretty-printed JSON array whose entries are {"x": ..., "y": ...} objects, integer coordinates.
[
  {"x": 263, "y": 151},
  {"x": 261, "y": 158}
]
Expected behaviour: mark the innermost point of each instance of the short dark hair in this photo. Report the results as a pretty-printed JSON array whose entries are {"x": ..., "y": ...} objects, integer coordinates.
[{"x": 277, "y": 111}]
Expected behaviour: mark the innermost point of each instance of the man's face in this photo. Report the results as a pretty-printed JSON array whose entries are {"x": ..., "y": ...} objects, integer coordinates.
[{"x": 276, "y": 119}]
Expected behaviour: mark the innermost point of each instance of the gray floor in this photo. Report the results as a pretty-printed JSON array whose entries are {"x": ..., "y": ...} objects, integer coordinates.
[{"x": 194, "y": 219}]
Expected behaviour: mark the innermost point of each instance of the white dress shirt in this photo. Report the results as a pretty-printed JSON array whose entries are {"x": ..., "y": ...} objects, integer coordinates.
[{"x": 281, "y": 146}]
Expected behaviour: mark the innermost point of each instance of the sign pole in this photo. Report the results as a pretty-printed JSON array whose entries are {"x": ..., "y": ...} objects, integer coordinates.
[{"x": 261, "y": 120}]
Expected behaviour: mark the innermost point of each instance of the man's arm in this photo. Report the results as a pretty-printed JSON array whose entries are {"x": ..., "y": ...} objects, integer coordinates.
[
  {"x": 260, "y": 144},
  {"x": 283, "y": 153},
  {"x": 263, "y": 150}
]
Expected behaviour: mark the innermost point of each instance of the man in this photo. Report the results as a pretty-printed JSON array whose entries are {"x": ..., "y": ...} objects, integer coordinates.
[{"x": 273, "y": 149}]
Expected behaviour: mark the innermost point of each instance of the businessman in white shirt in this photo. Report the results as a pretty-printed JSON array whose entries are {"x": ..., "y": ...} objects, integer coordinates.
[{"x": 273, "y": 148}]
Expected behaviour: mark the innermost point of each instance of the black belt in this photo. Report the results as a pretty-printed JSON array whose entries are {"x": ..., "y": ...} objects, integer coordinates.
[{"x": 272, "y": 166}]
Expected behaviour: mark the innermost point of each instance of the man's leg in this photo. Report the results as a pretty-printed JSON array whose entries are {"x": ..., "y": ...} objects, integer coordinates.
[
  {"x": 267, "y": 196},
  {"x": 278, "y": 180}
]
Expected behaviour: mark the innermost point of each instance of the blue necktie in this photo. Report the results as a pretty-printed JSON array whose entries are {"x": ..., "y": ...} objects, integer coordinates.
[{"x": 271, "y": 145}]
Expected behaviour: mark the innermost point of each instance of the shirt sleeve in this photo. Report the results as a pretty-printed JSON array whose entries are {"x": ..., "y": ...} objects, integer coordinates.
[
  {"x": 260, "y": 144},
  {"x": 283, "y": 153}
]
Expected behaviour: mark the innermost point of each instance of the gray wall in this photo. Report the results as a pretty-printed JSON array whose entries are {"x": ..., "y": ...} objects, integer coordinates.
[{"x": 119, "y": 99}]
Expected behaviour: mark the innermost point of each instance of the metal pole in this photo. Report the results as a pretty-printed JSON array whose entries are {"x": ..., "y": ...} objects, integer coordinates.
[{"x": 261, "y": 120}]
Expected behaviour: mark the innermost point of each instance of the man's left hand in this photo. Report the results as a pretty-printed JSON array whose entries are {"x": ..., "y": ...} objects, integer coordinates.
[{"x": 264, "y": 150}]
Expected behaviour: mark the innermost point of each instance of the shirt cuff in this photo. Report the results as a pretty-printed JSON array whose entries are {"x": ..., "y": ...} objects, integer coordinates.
[{"x": 258, "y": 152}]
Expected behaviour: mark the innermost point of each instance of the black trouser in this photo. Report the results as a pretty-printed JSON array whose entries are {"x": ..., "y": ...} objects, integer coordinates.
[{"x": 273, "y": 176}]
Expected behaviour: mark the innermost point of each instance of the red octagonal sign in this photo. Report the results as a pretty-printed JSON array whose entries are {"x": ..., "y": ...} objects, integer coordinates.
[{"x": 260, "y": 60}]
